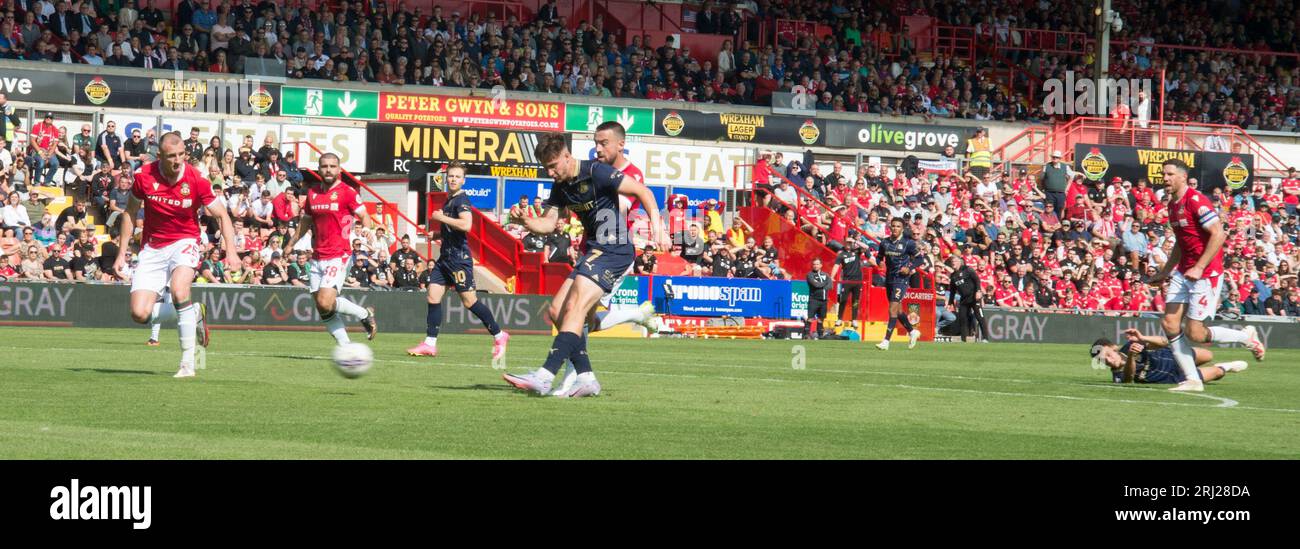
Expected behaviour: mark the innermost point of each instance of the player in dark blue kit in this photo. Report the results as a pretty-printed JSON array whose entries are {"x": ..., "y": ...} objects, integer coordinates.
[
  {"x": 455, "y": 267},
  {"x": 901, "y": 258},
  {"x": 1148, "y": 359},
  {"x": 591, "y": 190}
]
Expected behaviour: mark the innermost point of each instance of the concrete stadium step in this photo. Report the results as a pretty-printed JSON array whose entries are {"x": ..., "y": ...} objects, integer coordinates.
[{"x": 484, "y": 279}]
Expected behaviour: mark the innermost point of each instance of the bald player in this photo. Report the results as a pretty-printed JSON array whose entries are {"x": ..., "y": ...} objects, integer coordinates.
[{"x": 172, "y": 193}]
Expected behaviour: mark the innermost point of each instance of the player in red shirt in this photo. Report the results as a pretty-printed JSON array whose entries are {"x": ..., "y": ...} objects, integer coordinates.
[
  {"x": 172, "y": 194},
  {"x": 332, "y": 208},
  {"x": 1196, "y": 264}
]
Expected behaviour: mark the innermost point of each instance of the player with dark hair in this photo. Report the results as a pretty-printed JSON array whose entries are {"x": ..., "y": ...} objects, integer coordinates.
[
  {"x": 172, "y": 193},
  {"x": 611, "y": 138},
  {"x": 901, "y": 258},
  {"x": 455, "y": 267},
  {"x": 1148, "y": 359},
  {"x": 1197, "y": 277},
  {"x": 590, "y": 189},
  {"x": 332, "y": 208}
]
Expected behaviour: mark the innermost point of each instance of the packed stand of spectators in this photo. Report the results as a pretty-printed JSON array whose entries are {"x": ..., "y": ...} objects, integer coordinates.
[
  {"x": 866, "y": 64},
  {"x": 260, "y": 187},
  {"x": 1086, "y": 247},
  {"x": 1249, "y": 90}
]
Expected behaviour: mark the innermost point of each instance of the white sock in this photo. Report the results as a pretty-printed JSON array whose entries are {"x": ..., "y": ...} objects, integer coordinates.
[
  {"x": 587, "y": 377},
  {"x": 154, "y": 330},
  {"x": 344, "y": 307},
  {"x": 187, "y": 320},
  {"x": 431, "y": 341},
  {"x": 500, "y": 335},
  {"x": 1219, "y": 334},
  {"x": 1184, "y": 355},
  {"x": 568, "y": 369},
  {"x": 338, "y": 329},
  {"x": 544, "y": 375},
  {"x": 162, "y": 312},
  {"x": 615, "y": 317}
]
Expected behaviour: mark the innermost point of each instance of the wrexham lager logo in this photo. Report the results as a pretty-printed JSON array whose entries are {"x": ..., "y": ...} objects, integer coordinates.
[
  {"x": 97, "y": 91},
  {"x": 260, "y": 100},
  {"x": 1094, "y": 165},
  {"x": 673, "y": 124},
  {"x": 1236, "y": 173},
  {"x": 809, "y": 132}
]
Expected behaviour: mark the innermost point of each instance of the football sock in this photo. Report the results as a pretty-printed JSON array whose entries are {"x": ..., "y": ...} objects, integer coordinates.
[
  {"x": 563, "y": 347},
  {"x": 334, "y": 323},
  {"x": 889, "y": 332},
  {"x": 618, "y": 316},
  {"x": 187, "y": 321},
  {"x": 1184, "y": 356},
  {"x": 1219, "y": 334},
  {"x": 432, "y": 319},
  {"x": 344, "y": 306},
  {"x": 162, "y": 312},
  {"x": 902, "y": 319},
  {"x": 154, "y": 331},
  {"x": 484, "y": 314},
  {"x": 581, "y": 362}
]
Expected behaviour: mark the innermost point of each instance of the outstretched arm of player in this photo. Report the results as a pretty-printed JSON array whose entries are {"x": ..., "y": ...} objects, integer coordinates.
[
  {"x": 632, "y": 187},
  {"x": 304, "y": 225},
  {"x": 545, "y": 223},
  {"x": 1212, "y": 248},
  {"x": 218, "y": 210},
  {"x": 127, "y": 231},
  {"x": 1140, "y": 341}
]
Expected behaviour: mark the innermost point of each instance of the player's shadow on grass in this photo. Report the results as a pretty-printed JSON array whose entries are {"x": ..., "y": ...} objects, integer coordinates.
[
  {"x": 475, "y": 387},
  {"x": 112, "y": 371}
]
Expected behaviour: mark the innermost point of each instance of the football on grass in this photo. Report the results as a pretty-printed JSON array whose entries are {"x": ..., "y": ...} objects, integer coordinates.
[{"x": 353, "y": 359}]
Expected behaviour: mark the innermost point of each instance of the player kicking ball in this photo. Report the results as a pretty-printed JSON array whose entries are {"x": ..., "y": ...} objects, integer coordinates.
[
  {"x": 1197, "y": 267},
  {"x": 900, "y": 256},
  {"x": 455, "y": 267},
  {"x": 1148, "y": 359},
  {"x": 590, "y": 189},
  {"x": 172, "y": 193},
  {"x": 610, "y": 139},
  {"x": 331, "y": 211}
]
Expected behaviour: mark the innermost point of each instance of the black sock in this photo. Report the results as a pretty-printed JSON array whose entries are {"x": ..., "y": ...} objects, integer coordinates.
[
  {"x": 433, "y": 319},
  {"x": 902, "y": 319},
  {"x": 485, "y": 315},
  {"x": 561, "y": 349},
  {"x": 581, "y": 362},
  {"x": 889, "y": 332}
]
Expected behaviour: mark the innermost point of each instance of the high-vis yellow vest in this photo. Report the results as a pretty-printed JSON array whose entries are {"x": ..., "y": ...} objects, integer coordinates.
[{"x": 980, "y": 156}]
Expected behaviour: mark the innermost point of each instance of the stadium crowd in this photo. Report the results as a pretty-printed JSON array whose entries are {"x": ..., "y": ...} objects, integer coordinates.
[
  {"x": 259, "y": 187},
  {"x": 1027, "y": 250},
  {"x": 1090, "y": 254},
  {"x": 866, "y": 64}
]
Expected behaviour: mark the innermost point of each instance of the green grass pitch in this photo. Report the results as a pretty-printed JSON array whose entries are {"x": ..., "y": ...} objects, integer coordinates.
[{"x": 95, "y": 394}]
